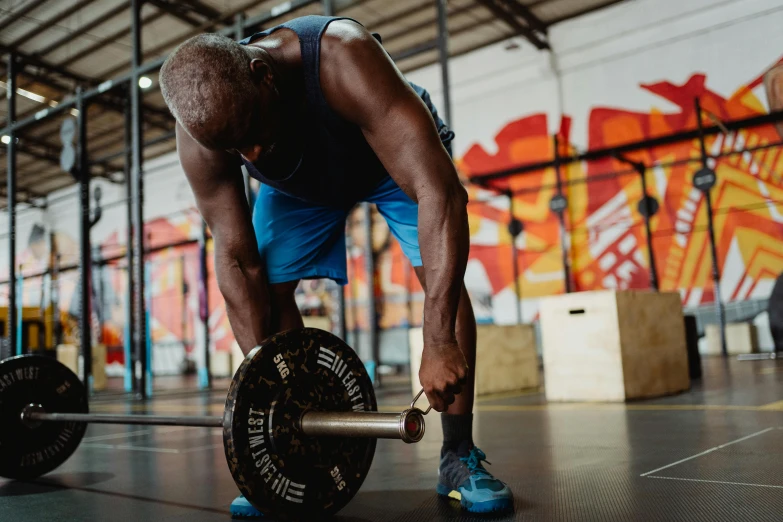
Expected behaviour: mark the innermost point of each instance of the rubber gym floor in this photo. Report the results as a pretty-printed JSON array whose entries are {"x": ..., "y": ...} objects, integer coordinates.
[{"x": 713, "y": 454}]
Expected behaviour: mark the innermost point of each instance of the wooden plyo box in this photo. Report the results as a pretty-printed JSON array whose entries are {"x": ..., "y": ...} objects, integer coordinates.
[
  {"x": 609, "y": 346},
  {"x": 506, "y": 359},
  {"x": 740, "y": 338}
]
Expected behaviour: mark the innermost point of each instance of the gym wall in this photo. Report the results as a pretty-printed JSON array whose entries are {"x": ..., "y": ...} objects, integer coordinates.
[{"x": 618, "y": 75}]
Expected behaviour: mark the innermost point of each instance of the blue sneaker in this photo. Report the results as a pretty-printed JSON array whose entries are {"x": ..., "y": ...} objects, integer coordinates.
[
  {"x": 241, "y": 508},
  {"x": 461, "y": 476}
]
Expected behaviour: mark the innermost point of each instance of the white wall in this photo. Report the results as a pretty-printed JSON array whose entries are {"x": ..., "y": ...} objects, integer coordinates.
[{"x": 598, "y": 60}]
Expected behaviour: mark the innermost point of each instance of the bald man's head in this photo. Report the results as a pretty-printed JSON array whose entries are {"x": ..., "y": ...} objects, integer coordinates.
[{"x": 208, "y": 85}]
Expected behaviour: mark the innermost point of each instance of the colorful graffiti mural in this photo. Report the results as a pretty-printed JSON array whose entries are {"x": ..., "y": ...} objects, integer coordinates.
[{"x": 606, "y": 241}]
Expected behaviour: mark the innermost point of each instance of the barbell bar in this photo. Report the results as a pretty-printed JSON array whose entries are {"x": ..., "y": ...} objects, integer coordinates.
[
  {"x": 300, "y": 422},
  {"x": 407, "y": 426}
]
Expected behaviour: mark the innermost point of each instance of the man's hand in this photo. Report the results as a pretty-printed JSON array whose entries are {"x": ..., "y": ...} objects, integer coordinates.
[{"x": 442, "y": 374}]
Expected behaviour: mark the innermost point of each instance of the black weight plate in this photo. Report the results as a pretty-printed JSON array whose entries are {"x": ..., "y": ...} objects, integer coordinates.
[
  {"x": 654, "y": 206},
  {"x": 281, "y": 471},
  {"x": 705, "y": 179},
  {"x": 558, "y": 203},
  {"x": 515, "y": 227},
  {"x": 27, "y": 452}
]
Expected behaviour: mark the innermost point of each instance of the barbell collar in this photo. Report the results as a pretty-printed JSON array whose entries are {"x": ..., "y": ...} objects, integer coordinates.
[{"x": 407, "y": 426}]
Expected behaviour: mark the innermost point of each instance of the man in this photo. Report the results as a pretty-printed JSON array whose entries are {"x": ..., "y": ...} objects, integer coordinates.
[
  {"x": 316, "y": 110},
  {"x": 773, "y": 83}
]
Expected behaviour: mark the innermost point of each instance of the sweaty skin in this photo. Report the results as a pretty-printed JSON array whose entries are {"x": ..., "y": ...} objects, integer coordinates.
[{"x": 363, "y": 86}]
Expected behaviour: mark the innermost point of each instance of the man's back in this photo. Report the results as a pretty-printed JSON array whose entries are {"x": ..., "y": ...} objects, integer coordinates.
[{"x": 336, "y": 165}]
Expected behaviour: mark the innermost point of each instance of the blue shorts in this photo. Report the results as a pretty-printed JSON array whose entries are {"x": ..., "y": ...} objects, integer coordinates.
[{"x": 299, "y": 240}]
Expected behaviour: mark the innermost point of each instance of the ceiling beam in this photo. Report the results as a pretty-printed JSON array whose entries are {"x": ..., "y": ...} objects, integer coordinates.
[
  {"x": 500, "y": 9},
  {"x": 36, "y": 31},
  {"x": 430, "y": 45},
  {"x": 424, "y": 24},
  {"x": 21, "y": 13},
  {"x": 108, "y": 40},
  {"x": 224, "y": 19},
  {"x": 201, "y": 8},
  {"x": 89, "y": 26},
  {"x": 527, "y": 15},
  {"x": 176, "y": 11}
]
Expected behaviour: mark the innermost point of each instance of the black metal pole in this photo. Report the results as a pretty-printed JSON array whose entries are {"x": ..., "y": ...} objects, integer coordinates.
[
  {"x": 721, "y": 316},
  {"x": 239, "y": 34},
  {"x": 515, "y": 261},
  {"x": 11, "y": 181},
  {"x": 372, "y": 311},
  {"x": 339, "y": 292},
  {"x": 443, "y": 49},
  {"x": 139, "y": 308},
  {"x": 205, "y": 372},
  {"x": 561, "y": 218},
  {"x": 642, "y": 169},
  {"x": 85, "y": 254},
  {"x": 131, "y": 288}
]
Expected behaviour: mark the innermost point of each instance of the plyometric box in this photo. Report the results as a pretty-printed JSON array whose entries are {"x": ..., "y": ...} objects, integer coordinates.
[
  {"x": 609, "y": 346},
  {"x": 740, "y": 338},
  {"x": 506, "y": 359}
]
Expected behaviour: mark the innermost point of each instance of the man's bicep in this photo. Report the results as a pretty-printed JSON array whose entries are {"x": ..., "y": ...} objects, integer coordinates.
[{"x": 364, "y": 86}]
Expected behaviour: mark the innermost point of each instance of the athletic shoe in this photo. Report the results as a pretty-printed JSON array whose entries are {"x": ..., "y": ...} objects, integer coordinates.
[
  {"x": 241, "y": 508},
  {"x": 461, "y": 476}
]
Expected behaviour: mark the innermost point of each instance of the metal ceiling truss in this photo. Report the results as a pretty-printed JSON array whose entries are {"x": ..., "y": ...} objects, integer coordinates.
[{"x": 520, "y": 19}]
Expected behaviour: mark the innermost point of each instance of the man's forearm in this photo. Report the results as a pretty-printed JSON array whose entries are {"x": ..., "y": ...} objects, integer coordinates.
[
  {"x": 247, "y": 301},
  {"x": 444, "y": 240}
]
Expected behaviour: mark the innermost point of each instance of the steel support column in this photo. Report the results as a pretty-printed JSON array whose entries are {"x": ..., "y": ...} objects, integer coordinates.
[
  {"x": 372, "y": 311},
  {"x": 720, "y": 312},
  {"x": 443, "y": 49},
  {"x": 561, "y": 218},
  {"x": 515, "y": 259},
  {"x": 11, "y": 194},
  {"x": 204, "y": 373},
  {"x": 130, "y": 291},
  {"x": 137, "y": 183},
  {"x": 82, "y": 169},
  {"x": 654, "y": 285}
]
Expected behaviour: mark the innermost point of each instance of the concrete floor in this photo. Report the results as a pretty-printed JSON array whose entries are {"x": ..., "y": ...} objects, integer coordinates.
[{"x": 713, "y": 454}]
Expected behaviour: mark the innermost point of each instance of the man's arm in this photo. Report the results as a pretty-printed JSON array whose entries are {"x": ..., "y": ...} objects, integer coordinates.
[
  {"x": 216, "y": 181},
  {"x": 362, "y": 84}
]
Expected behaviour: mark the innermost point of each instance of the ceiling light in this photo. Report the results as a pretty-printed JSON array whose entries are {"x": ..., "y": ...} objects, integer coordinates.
[
  {"x": 145, "y": 82},
  {"x": 6, "y": 139}
]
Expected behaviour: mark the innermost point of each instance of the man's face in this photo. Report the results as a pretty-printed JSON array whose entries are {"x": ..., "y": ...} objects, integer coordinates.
[{"x": 267, "y": 120}]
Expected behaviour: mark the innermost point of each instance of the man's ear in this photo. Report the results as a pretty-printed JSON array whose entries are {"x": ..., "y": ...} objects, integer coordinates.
[
  {"x": 262, "y": 72},
  {"x": 773, "y": 82}
]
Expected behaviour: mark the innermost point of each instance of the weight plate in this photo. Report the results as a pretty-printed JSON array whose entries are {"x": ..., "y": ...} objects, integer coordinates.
[
  {"x": 705, "y": 179},
  {"x": 654, "y": 206},
  {"x": 29, "y": 451},
  {"x": 558, "y": 203},
  {"x": 67, "y": 131},
  {"x": 67, "y": 158},
  {"x": 281, "y": 471},
  {"x": 515, "y": 227}
]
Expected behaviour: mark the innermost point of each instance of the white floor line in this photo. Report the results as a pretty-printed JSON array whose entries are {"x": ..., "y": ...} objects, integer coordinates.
[
  {"x": 716, "y": 482},
  {"x": 131, "y": 448},
  {"x": 202, "y": 448},
  {"x": 133, "y": 433},
  {"x": 716, "y": 448}
]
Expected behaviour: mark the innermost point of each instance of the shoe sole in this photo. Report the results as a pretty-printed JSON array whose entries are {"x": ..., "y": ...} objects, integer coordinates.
[{"x": 488, "y": 506}]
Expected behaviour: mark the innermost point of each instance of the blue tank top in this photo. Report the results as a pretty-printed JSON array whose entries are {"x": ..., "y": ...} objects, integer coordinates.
[{"x": 338, "y": 167}]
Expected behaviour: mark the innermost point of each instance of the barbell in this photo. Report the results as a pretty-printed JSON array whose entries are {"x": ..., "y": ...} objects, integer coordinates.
[{"x": 299, "y": 426}]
